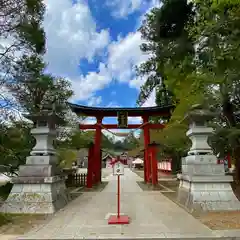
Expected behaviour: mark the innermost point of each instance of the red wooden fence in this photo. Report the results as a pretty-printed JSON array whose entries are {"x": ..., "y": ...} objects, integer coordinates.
[{"x": 165, "y": 166}]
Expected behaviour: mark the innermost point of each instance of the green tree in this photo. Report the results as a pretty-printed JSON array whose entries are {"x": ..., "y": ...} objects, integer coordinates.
[
  {"x": 131, "y": 142},
  {"x": 21, "y": 32},
  {"x": 15, "y": 143},
  {"x": 34, "y": 89},
  {"x": 170, "y": 47},
  {"x": 193, "y": 55},
  {"x": 217, "y": 33},
  {"x": 21, "y": 25}
]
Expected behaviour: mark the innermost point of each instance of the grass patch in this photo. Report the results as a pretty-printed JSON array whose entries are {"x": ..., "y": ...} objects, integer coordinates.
[
  {"x": 223, "y": 220},
  {"x": 149, "y": 187},
  {"x": 21, "y": 223},
  {"x": 171, "y": 184},
  {"x": 5, "y": 190},
  {"x": 4, "y": 219}
]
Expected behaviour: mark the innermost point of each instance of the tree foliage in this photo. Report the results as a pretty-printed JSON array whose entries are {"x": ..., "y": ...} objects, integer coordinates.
[
  {"x": 193, "y": 52},
  {"x": 21, "y": 26},
  {"x": 24, "y": 77},
  {"x": 34, "y": 89},
  {"x": 15, "y": 143},
  {"x": 168, "y": 44},
  {"x": 21, "y": 34}
]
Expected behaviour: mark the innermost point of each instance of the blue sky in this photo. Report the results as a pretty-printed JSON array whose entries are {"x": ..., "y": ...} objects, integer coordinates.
[{"x": 95, "y": 44}]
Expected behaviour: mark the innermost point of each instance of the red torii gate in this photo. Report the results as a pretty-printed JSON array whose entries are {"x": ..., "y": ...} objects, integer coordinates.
[{"x": 94, "y": 159}]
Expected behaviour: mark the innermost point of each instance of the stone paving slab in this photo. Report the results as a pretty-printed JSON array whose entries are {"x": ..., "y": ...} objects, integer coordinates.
[
  {"x": 8, "y": 237},
  {"x": 152, "y": 215}
]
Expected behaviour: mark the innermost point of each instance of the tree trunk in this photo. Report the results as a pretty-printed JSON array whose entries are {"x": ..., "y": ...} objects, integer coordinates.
[
  {"x": 228, "y": 112},
  {"x": 176, "y": 163},
  {"x": 237, "y": 163}
]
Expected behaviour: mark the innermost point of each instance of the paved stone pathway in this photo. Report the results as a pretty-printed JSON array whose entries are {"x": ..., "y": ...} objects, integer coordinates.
[{"x": 152, "y": 215}]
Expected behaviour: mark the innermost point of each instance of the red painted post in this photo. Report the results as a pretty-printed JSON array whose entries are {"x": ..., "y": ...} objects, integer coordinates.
[
  {"x": 90, "y": 167},
  {"x": 146, "y": 142},
  {"x": 97, "y": 151},
  {"x": 118, "y": 196},
  {"x": 229, "y": 160},
  {"x": 100, "y": 176},
  {"x": 149, "y": 165},
  {"x": 154, "y": 168}
]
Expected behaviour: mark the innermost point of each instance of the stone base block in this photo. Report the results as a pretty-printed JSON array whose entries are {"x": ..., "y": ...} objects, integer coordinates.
[
  {"x": 44, "y": 198},
  {"x": 207, "y": 196},
  {"x": 38, "y": 170},
  {"x": 36, "y": 160}
]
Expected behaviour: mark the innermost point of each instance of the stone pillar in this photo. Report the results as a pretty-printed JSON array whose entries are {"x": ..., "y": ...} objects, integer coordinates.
[
  {"x": 203, "y": 183},
  {"x": 40, "y": 187}
]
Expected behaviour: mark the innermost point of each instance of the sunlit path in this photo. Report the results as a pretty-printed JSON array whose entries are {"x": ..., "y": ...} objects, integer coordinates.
[{"x": 152, "y": 215}]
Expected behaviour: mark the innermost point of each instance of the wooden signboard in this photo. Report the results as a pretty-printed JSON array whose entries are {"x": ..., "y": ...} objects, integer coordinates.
[
  {"x": 118, "y": 168},
  {"x": 122, "y": 119}
]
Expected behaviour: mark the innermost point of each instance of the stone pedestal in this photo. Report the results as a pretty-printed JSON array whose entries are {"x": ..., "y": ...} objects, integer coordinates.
[
  {"x": 203, "y": 183},
  {"x": 40, "y": 187}
]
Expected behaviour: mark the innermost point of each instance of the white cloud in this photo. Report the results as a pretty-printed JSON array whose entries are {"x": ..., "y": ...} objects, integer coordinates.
[
  {"x": 94, "y": 101},
  {"x": 71, "y": 35},
  {"x": 85, "y": 86},
  {"x": 113, "y": 105},
  {"x": 134, "y": 120},
  {"x": 124, "y": 55},
  {"x": 150, "y": 102},
  {"x": 137, "y": 82},
  {"x": 89, "y": 120},
  {"x": 123, "y": 8}
]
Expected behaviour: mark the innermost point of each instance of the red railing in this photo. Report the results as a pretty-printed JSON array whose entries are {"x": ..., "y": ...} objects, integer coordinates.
[{"x": 165, "y": 166}]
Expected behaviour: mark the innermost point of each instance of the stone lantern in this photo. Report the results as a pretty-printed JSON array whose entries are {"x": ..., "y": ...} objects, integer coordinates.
[
  {"x": 203, "y": 183},
  {"x": 39, "y": 187},
  {"x": 44, "y": 132}
]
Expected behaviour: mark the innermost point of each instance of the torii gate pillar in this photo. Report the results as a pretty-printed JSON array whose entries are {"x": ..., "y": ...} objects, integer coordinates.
[
  {"x": 152, "y": 151},
  {"x": 97, "y": 150},
  {"x": 146, "y": 143},
  {"x": 90, "y": 169}
]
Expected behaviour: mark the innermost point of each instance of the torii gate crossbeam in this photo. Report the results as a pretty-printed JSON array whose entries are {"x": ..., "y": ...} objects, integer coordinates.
[{"x": 100, "y": 113}]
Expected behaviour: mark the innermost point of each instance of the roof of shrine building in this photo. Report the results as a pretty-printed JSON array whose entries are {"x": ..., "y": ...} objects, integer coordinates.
[{"x": 113, "y": 112}]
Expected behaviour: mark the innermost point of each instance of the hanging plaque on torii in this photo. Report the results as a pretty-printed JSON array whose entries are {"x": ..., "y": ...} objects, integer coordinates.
[{"x": 122, "y": 119}]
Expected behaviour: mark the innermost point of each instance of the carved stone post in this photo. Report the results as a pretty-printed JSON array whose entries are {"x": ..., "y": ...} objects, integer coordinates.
[
  {"x": 203, "y": 183},
  {"x": 39, "y": 187}
]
